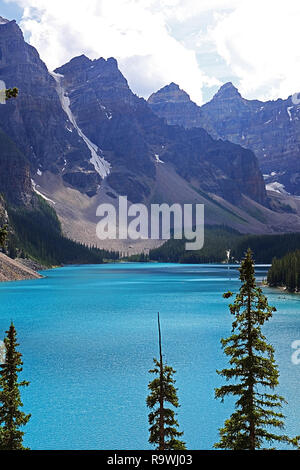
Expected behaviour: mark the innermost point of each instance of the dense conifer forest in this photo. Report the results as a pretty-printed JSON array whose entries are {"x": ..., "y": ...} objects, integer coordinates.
[
  {"x": 219, "y": 240},
  {"x": 36, "y": 234},
  {"x": 285, "y": 272}
]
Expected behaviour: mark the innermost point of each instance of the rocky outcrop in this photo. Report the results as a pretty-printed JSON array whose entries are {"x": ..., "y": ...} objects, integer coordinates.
[
  {"x": 35, "y": 121},
  {"x": 270, "y": 129},
  {"x": 11, "y": 270},
  {"x": 175, "y": 105},
  {"x": 134, "y": 140},
  {"x": 83, "y": 126},
  {"x": 15, "y": 181},
  {"x": 111, "y": 116}
]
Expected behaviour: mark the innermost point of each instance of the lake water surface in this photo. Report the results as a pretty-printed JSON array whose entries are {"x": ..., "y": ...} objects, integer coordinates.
[{"x": 88, "y": 335}]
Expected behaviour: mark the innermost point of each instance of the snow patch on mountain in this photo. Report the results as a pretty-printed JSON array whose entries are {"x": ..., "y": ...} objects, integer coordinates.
[
  {"x": 3, "y": 20},
  {"x": 35, "y": 186},
  {"x": 277, "y": 187},
  {"x": 289, "y": 112},
  {"x": 101, "y": 166},
  {"x": 157, "y": 159}
]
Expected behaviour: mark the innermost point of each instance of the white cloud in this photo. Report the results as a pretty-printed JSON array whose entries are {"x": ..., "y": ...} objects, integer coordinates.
[
  {"x": 137, "y": 33},
  {"x": 259, "y": 41},
  {"x": 158, "y": 41}
]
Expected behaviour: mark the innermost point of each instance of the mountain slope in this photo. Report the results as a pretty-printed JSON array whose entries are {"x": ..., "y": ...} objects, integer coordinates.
[
  {"x": 270, "y": 129},
  {"x": 15, "y": 182},
  {"x": 35, "y": 121},
  {"x": 85, "y": 138},
  {"x": 134, "y": 139}
]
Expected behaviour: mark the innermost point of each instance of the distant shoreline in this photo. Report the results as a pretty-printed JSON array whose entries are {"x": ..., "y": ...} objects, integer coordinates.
[{"x": 282, "y": 289}]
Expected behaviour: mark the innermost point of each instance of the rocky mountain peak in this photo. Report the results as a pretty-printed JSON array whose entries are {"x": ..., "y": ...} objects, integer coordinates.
[
  {"x": 3, "y": 20},
  {"x": 172, "y": 87},
  {"x": 14, "y": 51},
  {"x": 227, "y": 91},
  {"x": 270, "y": 129},
  {"x": 10, "y": 30},
  {"x": 112, "y": 62},
  {"x": 169, "y": 93},
  {"x": 107, "y": 67},
  {"x": 92, "y": 68},
  {"x": 76, "y": 64}
]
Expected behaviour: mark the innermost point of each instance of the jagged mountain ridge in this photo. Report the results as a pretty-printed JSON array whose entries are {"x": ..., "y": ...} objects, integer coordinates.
[
  {"x": 270, "y": 129},
  {"x": 133, "y": 138},
  {"x": 123, "y": 129},
  {"x": 86, "y": 138}
]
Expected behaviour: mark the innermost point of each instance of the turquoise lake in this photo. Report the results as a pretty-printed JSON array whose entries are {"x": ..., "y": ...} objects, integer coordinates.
[{"x": 88, "y": 335}]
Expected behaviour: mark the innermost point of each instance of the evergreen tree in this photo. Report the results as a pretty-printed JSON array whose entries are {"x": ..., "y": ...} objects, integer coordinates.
[
  {"x": 285, "y": 272},
  {"x": 3, "y": 236},
  {"x": 163, "y": 425},
  {"x": 11, "y": 417},
  {"x": 253, "y": 370},
  {"x": 11, "y": 93}
]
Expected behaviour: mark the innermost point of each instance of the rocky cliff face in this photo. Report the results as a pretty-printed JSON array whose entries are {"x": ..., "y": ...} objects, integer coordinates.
[
  {"x": 11, "y": 270},
  {"x": 84, "y": 128},
  {"x": 270, "y": 129},
  {"x": 175, "y": 105},
  {"x": 133, "y": 140},
  {"x": 111, "y": 116},
  {"x": 15, "y": 181},
  {"x": 35, "y": 121}
]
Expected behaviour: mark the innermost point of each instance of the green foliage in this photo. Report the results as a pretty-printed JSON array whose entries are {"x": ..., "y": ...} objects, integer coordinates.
[
  {"x": 36, "y": 233},
  {"x": 285, "y": 272},
  {"x": 11, "y": 417},
  {"x": 216, "y": 241},
  {"x": 163, "y": 425},
  {"x": 3, "y": 235},
  {"x": 219, "y": 239},
  {"x": 162, "y": 390},
  {"x": 252, "y": 371},
  {"x": 266, "y": 247},
  {"x": 11, "y": 93}
]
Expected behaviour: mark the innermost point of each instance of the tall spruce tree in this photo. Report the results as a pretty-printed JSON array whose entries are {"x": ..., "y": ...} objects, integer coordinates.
[
  {"x": 163, "y": 425},
  {"x": 253, "y": 370},
  {"x": 11, "y": 417}
]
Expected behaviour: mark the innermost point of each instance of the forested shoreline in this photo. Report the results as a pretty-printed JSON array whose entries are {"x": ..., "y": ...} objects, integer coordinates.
[
  {"x": 285, "y": 272},
  {"x": 222, "y": 244}
]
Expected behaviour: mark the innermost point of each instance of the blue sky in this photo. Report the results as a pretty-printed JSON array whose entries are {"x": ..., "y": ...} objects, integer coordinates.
[
  {"x": 10, "y": 11},
  {"x": 198, "y": 44}
]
